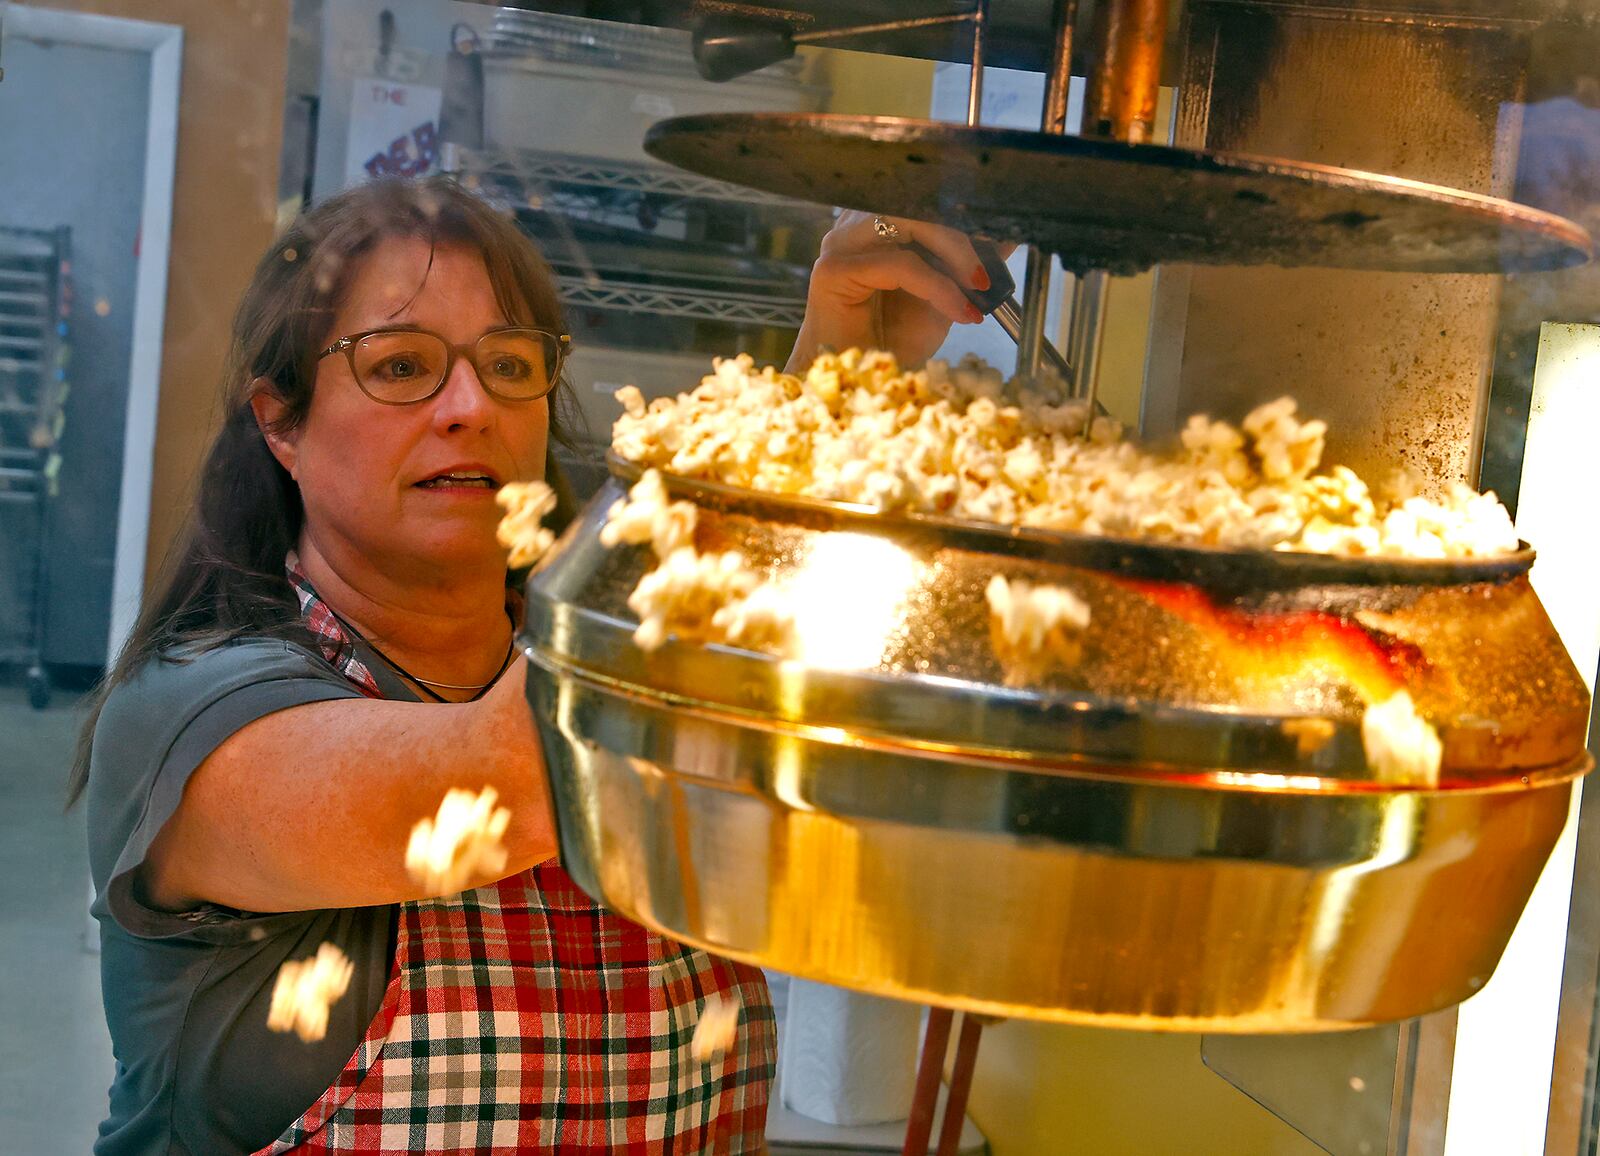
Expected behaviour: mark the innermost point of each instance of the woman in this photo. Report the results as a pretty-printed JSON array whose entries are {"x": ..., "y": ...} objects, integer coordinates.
[{"x": 329, "y": 651}]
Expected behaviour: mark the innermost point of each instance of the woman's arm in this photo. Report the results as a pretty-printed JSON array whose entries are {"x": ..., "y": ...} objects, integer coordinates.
[{"x": 312, "y": 807}]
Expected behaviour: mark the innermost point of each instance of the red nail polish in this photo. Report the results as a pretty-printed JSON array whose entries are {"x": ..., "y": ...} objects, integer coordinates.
[
  {"x": 980, "y": 279},
  {"x": 973, "y": 314}
]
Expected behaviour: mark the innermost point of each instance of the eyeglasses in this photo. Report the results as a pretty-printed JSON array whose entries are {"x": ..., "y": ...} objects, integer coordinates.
[{"x": 405, "y": 366}]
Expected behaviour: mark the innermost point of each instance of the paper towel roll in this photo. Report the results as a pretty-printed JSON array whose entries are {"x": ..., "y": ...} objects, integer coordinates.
[{"x": 848, "y": 1059}]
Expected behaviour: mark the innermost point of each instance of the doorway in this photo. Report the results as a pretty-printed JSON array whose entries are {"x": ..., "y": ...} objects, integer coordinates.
[{"x": 88, "y": 127}]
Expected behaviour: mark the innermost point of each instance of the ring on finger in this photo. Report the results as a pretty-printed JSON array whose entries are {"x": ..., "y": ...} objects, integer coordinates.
[{"x": 887, "y": 230}]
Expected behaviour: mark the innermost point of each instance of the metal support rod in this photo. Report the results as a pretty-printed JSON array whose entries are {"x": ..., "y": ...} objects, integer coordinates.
[
  {"x": 955, "y": 1104},
  {"x": 1009, "y": 315},
  {"x": 1124, "y": 82},
  {"x": 1053, "y": 119},
  {"x": 925, "y": 1099},
  {"x": 1058, "y": 81},
  {"x": 980, "y": 24},
  {"x": 1125, "y": 78},
  {"x": 1035, "y": 298},
  {"x": 1088, "y": 335},
  {"x": 885, "y": 26}
]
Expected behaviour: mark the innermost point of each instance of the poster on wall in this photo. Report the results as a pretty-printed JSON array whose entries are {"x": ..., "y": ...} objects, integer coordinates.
[{"x": 394, "y": 130}]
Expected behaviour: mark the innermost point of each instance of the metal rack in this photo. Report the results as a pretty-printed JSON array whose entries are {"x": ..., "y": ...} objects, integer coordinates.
[
  {"x": 708, "y": 305},
  {"x": 531, "y": 168},
  {"x": 646, "y": 198},
  {"x": 660, "y": 268},
  {"x": 34, "y": 300}
]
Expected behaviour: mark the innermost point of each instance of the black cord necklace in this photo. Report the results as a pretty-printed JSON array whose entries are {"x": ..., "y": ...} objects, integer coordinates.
[{"x": 423, "y": 684}]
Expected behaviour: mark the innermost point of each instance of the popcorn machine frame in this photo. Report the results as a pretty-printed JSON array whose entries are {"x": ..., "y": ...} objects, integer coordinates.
[{"x": 642, "y": 769}]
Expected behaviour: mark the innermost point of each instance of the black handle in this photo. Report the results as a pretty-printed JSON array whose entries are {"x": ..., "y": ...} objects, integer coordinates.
[
  {"x": 1001, "y": 285},
  {"x": 729, "y": 46}
]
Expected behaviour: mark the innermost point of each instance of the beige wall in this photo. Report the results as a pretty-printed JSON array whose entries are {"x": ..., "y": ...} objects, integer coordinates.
[
  {"x": 1042, "y": 1088},
  {"x": 229, "y": 121},
  {"x": 861, "y": 84}
]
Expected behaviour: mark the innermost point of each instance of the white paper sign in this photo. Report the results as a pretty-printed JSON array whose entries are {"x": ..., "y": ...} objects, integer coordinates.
[{"x": 394, "y": 130}]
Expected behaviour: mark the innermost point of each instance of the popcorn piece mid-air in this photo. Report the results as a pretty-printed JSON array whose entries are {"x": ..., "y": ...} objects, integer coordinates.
[
  {"x": 1034, "y": 627},
  {"x": 717, "y": 1030},
  {"x": 710, "y": 597},
  {"x": 1401, "y": 745},
  {"x": 961, "y": 441},
  {"x": 305, "y": 990},
  {"x": 1310, "y": 734},
  {"x": 461, "y": 844},
  {"x": 521, "y": 530},
  {"x": 762, "y": 620},
  {"x": 683, "y": 594},
  {"x": 647, "y": 515}
]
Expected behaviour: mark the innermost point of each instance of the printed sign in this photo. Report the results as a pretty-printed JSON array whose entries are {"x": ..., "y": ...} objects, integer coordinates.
[{"x": 394, "y": 130}]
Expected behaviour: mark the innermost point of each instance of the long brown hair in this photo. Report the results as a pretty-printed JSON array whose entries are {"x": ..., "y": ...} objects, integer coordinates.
[{"x": 224, "y": 578}]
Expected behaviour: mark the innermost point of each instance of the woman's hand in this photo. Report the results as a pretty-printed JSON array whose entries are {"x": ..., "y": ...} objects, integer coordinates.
[{"x": 915, "y": 305}]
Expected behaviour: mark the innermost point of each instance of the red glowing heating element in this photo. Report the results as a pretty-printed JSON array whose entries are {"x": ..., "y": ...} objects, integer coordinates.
[{"x": 1275, "y": 647}]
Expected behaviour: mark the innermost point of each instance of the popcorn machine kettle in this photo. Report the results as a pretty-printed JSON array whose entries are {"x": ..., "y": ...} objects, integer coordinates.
[{"x": 1150, "y": 841}]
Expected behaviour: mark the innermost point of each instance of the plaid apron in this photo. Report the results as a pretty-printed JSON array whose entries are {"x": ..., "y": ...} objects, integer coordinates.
[{"x": 523, "y": 1017}]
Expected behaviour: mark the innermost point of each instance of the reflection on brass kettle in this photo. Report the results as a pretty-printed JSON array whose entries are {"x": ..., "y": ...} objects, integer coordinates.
[{"x": 1180, "y": 832}]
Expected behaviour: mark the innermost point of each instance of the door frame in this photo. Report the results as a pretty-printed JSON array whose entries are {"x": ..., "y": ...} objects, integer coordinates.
[{"x": 163, "y": 44}]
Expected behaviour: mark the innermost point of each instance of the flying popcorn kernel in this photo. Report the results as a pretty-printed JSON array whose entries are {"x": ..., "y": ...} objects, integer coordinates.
[
  {"x": 761, "y": 620},
  {"x": 683, "y": 594},
  {"x": 521, "y": 532},
  {"x": 717, "y": 1030},
  {"x": 1286, "y": 447},
  {"x": 459, "y": 845},
  {"x": 1034, "y": 627},
  {"x": 1402, "y": 747},
  {"x": 306, "y": 989},
  {"x": 647, "y": 515},
  {"x": 1310, "y": 734},
  {"x": 631, "y": 400}
]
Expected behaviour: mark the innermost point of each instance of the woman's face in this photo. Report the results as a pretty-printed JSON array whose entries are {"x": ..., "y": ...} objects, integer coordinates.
[{"x": 361, "y": 465}]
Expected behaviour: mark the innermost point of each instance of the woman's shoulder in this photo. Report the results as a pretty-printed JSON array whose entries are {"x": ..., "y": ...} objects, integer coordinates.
[
  {"x": 172, "y": 711},
  {"x": 177, "y": 683},
  {"x": 213, "y": 662}
]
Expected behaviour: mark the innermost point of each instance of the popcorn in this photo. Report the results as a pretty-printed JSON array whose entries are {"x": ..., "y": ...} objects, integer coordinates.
[
  {"x": 717, "y": 1030},
  {"x": 683, "y": 594},
  {"x": 712, "y": 597},
  {"x": 646, "y": 515},
  {"x": 459, "y": 845},
  {"x": 1034, "y": 627},
  {"x": 306, "y": 989},
  {"x": 960, "y": 441},
  {"x": 762, "y": 620},
  {"x": 1310, "y": 734},
  {"x": 1466, "y": 523},
  {"x": 1286, "y": 447},
  {"x": 526, "y": 504},
  {"x": 631, "y": 400},
  {"x": 1402, "y": 747}
]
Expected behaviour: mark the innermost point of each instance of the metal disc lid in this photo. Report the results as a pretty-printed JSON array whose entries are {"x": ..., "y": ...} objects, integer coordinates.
[{"x": 1105, "y": 204}]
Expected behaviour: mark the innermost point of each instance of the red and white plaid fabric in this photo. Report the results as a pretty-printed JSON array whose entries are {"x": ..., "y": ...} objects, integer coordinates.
[
  {"x": 337, "y": 646},
  {"x": 523, "y": 1017}
]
